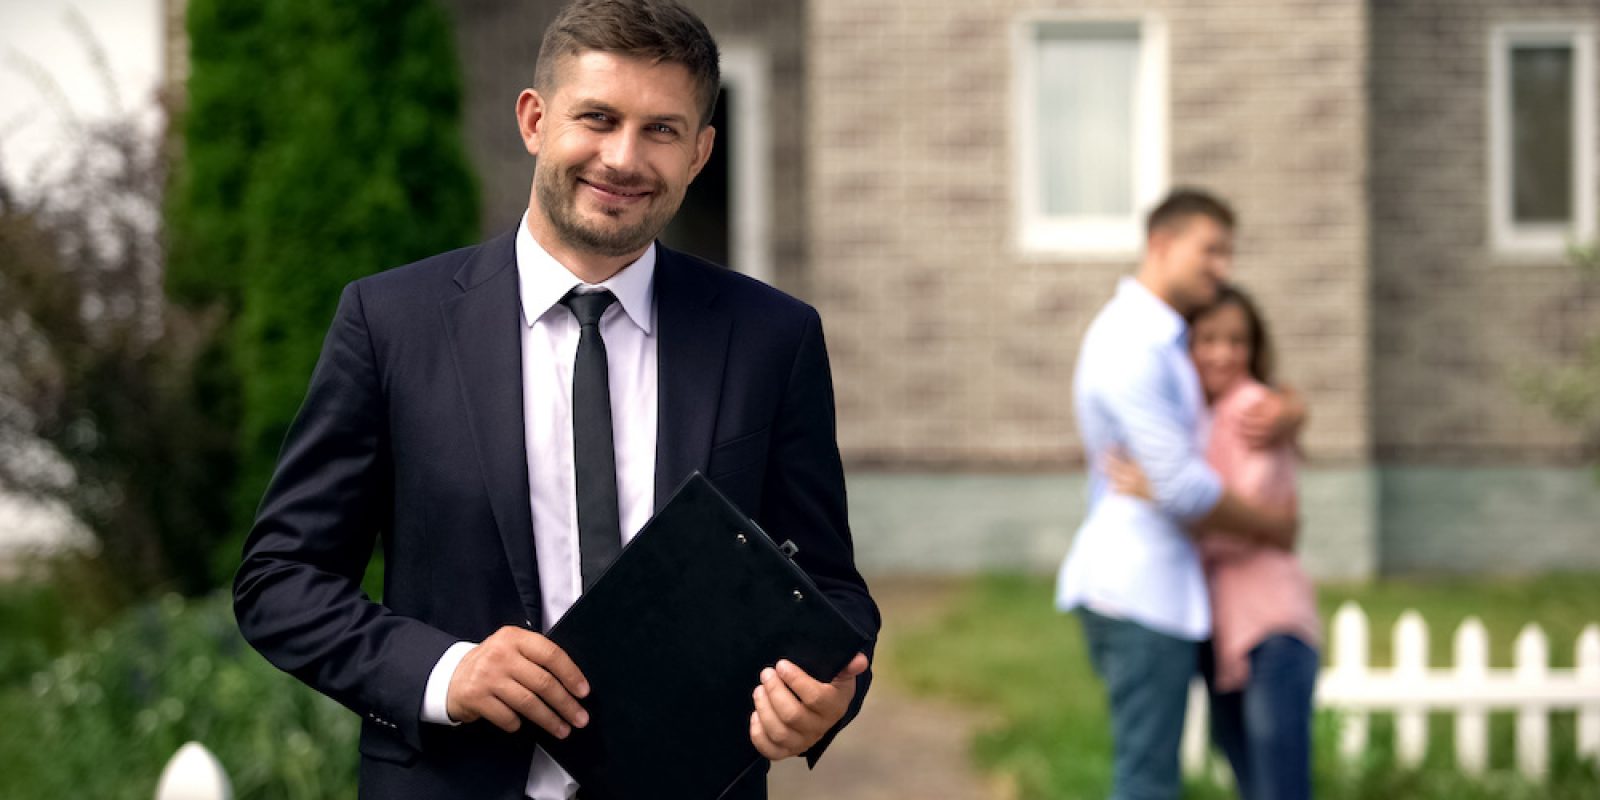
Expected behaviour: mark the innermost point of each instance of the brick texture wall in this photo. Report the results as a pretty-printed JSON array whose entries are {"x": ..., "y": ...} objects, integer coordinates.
[
  {"x": 1455, "y": 324},
  {"x": 950, "y": 347}
]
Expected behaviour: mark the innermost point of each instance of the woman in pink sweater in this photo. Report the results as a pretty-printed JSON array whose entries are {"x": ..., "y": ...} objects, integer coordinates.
[{"x": 1262, "y": 664}]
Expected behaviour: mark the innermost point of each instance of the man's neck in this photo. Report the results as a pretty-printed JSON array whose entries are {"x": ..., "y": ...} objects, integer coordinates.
[
  {"x": 588, "y": 267},
  {"x": 1149, "y": 279}
]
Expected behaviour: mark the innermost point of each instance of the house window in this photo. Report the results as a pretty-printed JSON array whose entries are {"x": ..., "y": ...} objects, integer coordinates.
[
  {"x": 1542, "y": 137},
  {"x": 1091, "y": 103}
]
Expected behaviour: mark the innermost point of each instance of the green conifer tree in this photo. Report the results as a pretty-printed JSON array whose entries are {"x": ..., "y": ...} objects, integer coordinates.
[{"x": 321, "y": 143}]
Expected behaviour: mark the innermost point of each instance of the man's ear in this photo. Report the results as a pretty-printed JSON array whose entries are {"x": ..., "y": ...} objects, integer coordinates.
[
  {"x": 531, "y": 111},
  {"x": 702, "y": 150},
  {"x": 1158, "y": 240}
]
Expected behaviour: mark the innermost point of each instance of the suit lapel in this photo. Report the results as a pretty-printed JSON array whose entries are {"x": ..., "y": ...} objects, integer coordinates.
[
  {"x": 483, "y": 326},
  {"x": 690, "y": 356}
]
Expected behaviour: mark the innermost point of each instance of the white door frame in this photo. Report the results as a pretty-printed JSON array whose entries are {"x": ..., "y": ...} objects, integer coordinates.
[{"x": 745, "y": 72}]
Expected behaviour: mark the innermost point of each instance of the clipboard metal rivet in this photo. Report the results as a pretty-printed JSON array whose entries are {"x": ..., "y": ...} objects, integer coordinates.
[
  {"x": 741, "y": 538},
  {"x": 798, "y": 596}
]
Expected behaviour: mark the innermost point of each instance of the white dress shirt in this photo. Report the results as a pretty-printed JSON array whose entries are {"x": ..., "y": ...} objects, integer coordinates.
[
  {"x": 549, "y": 348},
  {"x": 1135, "y": 388}
]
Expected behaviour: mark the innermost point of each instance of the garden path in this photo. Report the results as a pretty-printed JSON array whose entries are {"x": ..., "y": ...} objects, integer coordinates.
[{"x": 901, "y": 746}]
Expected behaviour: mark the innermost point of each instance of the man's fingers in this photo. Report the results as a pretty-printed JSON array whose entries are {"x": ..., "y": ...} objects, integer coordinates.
[
  {"x": 498, "y": 714},
  {"x": 1126, "y": 477},
  {"x": 822, "y": 696},
  {"x": 552, "y": 658},
  {"x": 1256, "y": 437},
  {"x": 788, "y": 738},
  {"x": 548, "y": 691},
  {"x": 856, "y": 666},
  {"x": 764, "y": 745},
  {"x": 532, "y": 708},
  {"x": 793, "y": 709},
  {"x": 1261, "y": 422},
  {"x": 514, "y": 675},
  {"x": 777, "y": 731},
  {"x": 789, "y": 707}
]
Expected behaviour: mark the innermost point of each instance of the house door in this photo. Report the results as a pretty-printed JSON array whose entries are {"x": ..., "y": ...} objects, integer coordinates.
[
  {"x": 702, "y": 224},
  {"x": 724, "y": 217}
]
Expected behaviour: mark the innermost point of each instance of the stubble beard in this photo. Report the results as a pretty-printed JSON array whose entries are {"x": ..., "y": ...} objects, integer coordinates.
[{"x": 557, "y": 191}]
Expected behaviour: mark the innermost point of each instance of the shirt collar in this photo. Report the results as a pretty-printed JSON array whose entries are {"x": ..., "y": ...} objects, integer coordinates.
[
  {"x": 544, "y": 281},
  {"x": 1162, "y": 321}
]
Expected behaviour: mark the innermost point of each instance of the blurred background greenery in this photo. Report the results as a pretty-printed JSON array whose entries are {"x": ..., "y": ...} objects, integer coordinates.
[
  {"x": 1000, "y": 646},
  {"x": 160, "y": 315}
]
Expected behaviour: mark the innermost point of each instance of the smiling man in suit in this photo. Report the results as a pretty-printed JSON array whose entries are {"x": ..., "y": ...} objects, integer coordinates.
[{"x": 505, "y": 417}]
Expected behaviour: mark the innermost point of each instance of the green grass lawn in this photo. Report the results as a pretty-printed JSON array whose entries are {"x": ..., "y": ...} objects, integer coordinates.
[{"x": 1003, "y": 648}]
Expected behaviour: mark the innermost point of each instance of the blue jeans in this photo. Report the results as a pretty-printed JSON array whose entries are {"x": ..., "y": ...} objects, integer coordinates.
[
  {"x": 1265, "y": 728},
  {"x": 1147, "y": 678}
]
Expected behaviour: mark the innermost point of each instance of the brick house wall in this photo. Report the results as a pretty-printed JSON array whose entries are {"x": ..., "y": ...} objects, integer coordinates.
[
  {"x": 1474, "y": 477},
  {"x": 951, "y": 348},
  {"x": 1455, "y": 323}
]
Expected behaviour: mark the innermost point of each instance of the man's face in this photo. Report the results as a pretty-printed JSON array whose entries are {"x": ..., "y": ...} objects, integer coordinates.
[
  {"x": 1195, "y": 256},
  {"x": 618, "y": 140}
]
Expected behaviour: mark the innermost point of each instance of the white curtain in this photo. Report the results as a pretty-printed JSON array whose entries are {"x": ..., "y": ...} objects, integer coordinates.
[{"x": 1085, "y": 79}]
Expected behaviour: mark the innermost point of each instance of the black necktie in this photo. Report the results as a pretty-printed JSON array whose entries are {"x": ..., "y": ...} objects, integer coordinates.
[{"x": 594, "y": 452}]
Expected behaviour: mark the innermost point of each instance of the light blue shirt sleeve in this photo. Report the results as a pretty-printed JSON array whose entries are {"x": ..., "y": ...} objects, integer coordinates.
[{"x": 1145, "y": 404}]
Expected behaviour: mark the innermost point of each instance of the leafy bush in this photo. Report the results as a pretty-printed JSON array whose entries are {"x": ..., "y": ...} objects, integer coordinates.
[
  {"x": 33, "y": 628},
  {"x": 103, "y": 719},
  {"x": 99, "y": 412}
]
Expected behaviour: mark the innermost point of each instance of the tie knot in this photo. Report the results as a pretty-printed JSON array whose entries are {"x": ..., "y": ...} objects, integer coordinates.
[{"x": 588, "y": 307}]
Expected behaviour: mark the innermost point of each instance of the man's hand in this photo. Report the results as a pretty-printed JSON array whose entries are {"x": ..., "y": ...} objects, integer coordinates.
[
  {"x": 794, "y": 710},
  {"x": 517, "y": 674},
  {"x": 1274, "y": 420},
  {"x": 1269, "y": 524},
  {"x": 1126, "y": 477}
]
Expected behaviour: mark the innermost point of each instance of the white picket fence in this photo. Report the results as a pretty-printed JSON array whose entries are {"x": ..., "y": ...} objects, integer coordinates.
[{"x": 1469, "y": 690}]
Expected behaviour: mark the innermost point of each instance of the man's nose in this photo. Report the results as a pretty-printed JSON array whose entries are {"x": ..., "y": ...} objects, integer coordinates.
[{"x": 620, "y": 150}]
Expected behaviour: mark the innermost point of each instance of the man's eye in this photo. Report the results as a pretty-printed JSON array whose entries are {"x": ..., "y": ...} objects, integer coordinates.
[
  {"x": 662, "y": 129},
  {"x": 596, "y": 117}
]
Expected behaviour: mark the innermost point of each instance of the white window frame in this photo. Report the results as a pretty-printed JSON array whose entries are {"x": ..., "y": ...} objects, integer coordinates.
[
  {"x": 1038, "y": 233},
  {"x": 745, "y": 71},
  {"x": 1507, "y": 236}
]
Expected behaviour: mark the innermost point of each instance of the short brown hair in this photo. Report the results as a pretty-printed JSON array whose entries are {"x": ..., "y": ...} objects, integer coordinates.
[
  {"x": 1183, "y": 204},
  {"x": 658, "y": 31}
]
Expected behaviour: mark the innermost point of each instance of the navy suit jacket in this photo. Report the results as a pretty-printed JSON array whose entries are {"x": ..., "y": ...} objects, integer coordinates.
[{"x": 412, "y": 434}]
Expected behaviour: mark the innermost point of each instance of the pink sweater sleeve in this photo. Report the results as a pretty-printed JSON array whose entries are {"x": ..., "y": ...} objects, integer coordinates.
[
  {"x": 1256, "y": 591},
  {"x": 1257, "y": 475}
]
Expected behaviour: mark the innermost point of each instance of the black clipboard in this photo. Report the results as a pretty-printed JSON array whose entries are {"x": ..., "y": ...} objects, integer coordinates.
[{"x": 673, "y": 638}]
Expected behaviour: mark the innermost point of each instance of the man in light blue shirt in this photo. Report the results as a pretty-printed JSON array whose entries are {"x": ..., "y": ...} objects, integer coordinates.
[{"x": 1133, "y": 574}]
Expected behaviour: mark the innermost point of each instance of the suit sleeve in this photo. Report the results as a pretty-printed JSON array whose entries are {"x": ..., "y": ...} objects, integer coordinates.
[
  {"x": 804, "y": 497},
  {"x": 297, "y": 595}
]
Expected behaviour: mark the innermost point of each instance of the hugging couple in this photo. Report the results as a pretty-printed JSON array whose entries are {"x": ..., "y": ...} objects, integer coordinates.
[{"x": 1185, "y": 563}]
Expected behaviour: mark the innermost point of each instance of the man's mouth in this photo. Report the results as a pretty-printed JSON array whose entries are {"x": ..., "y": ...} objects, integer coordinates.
[{"x": 616, "y": 193}]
